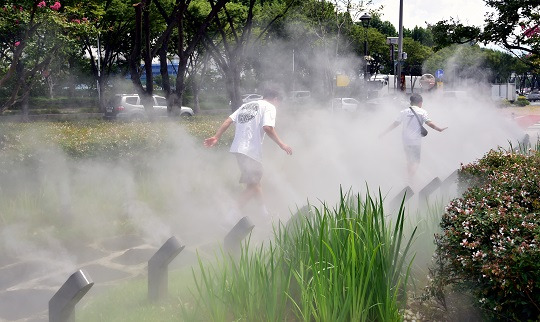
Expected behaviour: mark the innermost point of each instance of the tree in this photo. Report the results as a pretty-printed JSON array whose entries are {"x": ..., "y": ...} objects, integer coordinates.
[
  {"x": 462, "y": 63},
  {"x": 187, "y": 43},
  {"x": 448, "y": 32},
  {"x": 31, "y": 35},
  {"x": 384, "y": 27},
  {"x": 421, "y": 35},
  {"x": 235, "y": 32},
  {"x": 416, "y": 55},
  {"x": 515, "y": 24}
]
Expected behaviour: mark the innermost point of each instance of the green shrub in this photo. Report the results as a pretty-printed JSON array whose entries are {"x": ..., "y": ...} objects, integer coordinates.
[
  {"x": 522, "y": 101},
  {"x": 489, "y": 239},
  {"x": 39, "y": 102}
]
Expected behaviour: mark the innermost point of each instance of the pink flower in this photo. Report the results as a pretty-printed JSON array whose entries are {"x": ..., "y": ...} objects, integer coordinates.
[
  {"x": 532, "y": 31},
  {"x": 17, "y": 43},
  {"x": 76, "y": 20},
  {"x": 41, "y": 4},
  {"x": 84, "y": 19},
  {"x": 56, "y": 6}
]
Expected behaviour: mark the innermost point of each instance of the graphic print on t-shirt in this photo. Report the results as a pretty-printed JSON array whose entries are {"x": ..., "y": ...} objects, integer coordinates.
[{"x": 248, "y": 112}]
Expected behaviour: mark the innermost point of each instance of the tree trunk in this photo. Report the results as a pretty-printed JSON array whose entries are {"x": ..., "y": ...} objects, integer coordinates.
[
  {"x": 50, "y": 84},
  {"x": 134, "y": 59},
  {"x": 185, "y": 49},
  {"x": 163, "y": 69},
  {"x": 180, "y": 85},
  {"x": 25, "y": 103},
  {"x": 25, "y": 89}
]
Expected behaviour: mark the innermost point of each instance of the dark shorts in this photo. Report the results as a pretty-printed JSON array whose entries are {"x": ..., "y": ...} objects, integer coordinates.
[
  {"x": 412, "y": 152},
  {"x": 251, "y": 171}
]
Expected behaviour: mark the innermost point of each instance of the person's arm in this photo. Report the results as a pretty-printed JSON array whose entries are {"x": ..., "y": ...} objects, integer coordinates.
[
  {"x": 390, "y": 128},
  {"x": 211, "y": 141},
  {"x": 435, "y": 127},
  {"x": 273, "y": 135}
]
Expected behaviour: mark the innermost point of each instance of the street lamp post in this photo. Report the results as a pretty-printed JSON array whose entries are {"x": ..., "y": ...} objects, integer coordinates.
[{"x": 365, "y": 19}]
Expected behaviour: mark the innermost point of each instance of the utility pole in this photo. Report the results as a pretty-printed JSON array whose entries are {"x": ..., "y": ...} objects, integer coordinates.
[{"x": 400, "y": 45}]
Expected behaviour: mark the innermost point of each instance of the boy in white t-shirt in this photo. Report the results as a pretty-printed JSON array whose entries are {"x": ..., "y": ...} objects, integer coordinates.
[
  {"x": 412, "y": 139},
  {"x": 252, "y": 121}
]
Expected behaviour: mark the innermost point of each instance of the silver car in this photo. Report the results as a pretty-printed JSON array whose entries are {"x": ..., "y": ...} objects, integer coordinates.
[
  {"x": 129, "y": 107},
  {"x": 533, "y": 96}
]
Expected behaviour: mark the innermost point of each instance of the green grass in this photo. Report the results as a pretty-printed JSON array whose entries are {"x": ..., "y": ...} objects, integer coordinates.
[{"x": 129, "y": 301}]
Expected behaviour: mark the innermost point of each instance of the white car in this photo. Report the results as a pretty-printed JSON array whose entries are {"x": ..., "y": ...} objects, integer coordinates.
[
  {"x": 251, "y": 97},
  {"x": 129, "y": 107},
  {"x": 345, "y": 104}
]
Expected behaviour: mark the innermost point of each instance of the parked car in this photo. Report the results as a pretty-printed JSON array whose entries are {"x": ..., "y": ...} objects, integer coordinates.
[
  {"x": 299, "y": 96},
  {"x": 345, "y": 104},
  {"x": 533, "y": 96},
  {"x": 251, "y": 97},
  {"x": 129, "y": 107}
]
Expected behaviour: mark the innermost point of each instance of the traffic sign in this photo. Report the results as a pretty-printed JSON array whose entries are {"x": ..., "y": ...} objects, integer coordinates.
[{"x": 439, "y": 73}]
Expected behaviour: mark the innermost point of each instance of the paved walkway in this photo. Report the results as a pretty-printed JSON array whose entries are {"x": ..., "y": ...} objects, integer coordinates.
[{"x": 27, "y": 285}]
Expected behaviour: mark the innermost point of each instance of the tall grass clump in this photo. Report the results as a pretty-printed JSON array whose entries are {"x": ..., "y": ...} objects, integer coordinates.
[{"x": 326, "y": 264}]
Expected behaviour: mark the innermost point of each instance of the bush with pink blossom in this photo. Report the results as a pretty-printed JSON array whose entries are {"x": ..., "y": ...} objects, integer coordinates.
[{"x": 490, "y": 236}]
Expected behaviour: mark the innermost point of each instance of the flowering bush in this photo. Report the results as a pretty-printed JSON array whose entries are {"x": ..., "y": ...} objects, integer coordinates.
[
  {"x": 56, "y": 6},
  {"x": 33, "y": 33},
  {"x": 489, "y": 239}
]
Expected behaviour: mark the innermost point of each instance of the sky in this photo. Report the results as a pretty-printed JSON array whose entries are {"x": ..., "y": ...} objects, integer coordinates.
[{"x": 418, "y": 12}]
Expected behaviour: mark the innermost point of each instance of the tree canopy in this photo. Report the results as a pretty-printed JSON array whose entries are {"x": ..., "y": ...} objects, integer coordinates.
[{"x": 239, "y": 45}]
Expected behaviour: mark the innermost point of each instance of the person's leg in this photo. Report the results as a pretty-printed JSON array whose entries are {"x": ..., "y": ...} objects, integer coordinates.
[
  {"x": 411, "y": 168},
  {"x": 412, "y": 153},
  {"x": 252, "y": 191},
  {"x": 251, "y": 176}
]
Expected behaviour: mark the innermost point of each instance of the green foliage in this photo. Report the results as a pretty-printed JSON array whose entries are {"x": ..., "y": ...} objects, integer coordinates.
[
  {"x": 94, "y": 139},
  {"x": 522, "y": 101},
  {"x": 460, "y": 62},
  {"x": 422, "y": 35},
  {"x": 341, "y": 264},
  {"x": 514, "y": 24},
  {"x": 34, "y": 36},
  {"x": 417, "y": 54},
  {"x": 489, "y": 239},
  {"x": 447, "y": 33},
  {"x": 384, "y": 27},
  {"x": 60, "y": 102}
]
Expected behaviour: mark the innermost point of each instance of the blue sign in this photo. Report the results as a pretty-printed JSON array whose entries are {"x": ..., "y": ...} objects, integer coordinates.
[{"x": 439, "y": 73}]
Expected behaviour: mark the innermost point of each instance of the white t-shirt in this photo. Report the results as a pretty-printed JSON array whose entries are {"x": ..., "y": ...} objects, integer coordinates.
[
  {"x": 411, "y": 128},
  {"x": 249, "y": 120}
]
